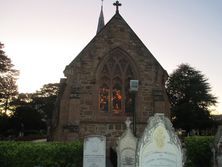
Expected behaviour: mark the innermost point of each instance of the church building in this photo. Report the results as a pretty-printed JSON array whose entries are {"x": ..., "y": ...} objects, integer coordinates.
[{"x": 95, "y": 96}]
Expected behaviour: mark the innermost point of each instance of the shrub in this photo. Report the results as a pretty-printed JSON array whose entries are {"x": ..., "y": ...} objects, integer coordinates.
[
  {"x": 198, "y": 151},
  {"x": 28, "y": 154}
]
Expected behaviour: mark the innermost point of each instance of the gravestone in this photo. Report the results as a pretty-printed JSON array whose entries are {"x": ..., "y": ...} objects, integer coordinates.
[
  {"x": 159, "y": 146},
  {"x": 126, "y": 147},
  {"x": 94, "y": 151},
  {"x": 218, "y": 148}
]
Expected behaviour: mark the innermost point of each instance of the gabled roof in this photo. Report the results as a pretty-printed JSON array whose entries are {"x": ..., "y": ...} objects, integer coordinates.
[{"x": 118, "y": 20}]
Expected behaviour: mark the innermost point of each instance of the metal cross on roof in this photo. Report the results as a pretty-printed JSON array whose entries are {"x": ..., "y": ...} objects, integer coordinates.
[{"x": 117, "y": 4}]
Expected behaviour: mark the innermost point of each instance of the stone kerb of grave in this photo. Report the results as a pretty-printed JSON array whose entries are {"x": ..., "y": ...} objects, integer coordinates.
[
  {"x": 159, "y": 145},
  {"x": 94, "y": 151},
  {"x": 126, "y": 147}
]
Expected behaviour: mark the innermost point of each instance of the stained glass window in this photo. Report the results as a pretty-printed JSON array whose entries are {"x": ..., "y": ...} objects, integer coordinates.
[
  {"x": 117, "y": 98},
  {"x": 114, "y": 78},
  {"x": 104, "y": 98}
]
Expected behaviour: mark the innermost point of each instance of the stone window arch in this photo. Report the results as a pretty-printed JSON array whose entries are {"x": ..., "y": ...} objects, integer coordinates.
[{"x": 113, "y": 77}]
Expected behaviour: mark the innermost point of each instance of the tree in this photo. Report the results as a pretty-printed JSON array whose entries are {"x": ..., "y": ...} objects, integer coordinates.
[
  {"x": 32, "y": 113},
  {"x": 6, "y": 126},
  {"x": 26, "y": 118},
  {"x": 8, "y": 78},
  {"x": 191, "y": 98},
  {"x": 45, "y": 100},
  {"x": 5, "y": 62}
]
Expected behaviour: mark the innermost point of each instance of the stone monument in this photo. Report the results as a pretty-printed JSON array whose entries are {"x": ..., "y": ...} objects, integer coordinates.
[
  {"x": 159, "y": 146},
  {"x": 126, "y": 147},
  {"x": 218, "y": 148},
  {"x": 94, "y": 151}
]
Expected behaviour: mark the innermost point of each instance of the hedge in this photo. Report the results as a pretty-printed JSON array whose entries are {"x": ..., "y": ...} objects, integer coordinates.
[
  {"x": 199, "y": 151},
  {"x": 54, "y": 154},
  {"x": 29, "y": 154}
]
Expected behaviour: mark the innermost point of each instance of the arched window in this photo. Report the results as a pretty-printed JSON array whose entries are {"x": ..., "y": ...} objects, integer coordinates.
[{"x": 114, "y": 77}]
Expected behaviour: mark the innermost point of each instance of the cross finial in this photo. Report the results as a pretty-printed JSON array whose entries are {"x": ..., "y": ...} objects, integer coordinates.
[{"x": 117, "y": 4}]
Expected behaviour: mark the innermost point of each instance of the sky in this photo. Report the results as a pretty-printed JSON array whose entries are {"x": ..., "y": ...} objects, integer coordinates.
[{"x": 43, "y": 36}]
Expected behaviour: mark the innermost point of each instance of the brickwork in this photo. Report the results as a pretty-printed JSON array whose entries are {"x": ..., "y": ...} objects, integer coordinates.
[{"x": 78, "y": 113}]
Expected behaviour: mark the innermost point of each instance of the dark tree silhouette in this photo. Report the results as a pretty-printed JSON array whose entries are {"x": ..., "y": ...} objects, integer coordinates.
[
  {"x": 45, "y": 100},
  {"x": 26, "y": 118},
  {"x": 5, "y": 62},
  {"x": 190, "y": 96},
  {"x": 32, "y": 113},
  {"x": 8, "y": 77}
]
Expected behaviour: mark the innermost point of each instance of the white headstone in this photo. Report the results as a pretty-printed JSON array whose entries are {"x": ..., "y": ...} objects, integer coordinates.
[
  {"x": 126, "y": 147},
  {"x": 218, "y": 147},
  {"x": 94, "y": 151},
  {"x": 159, "y": 146}
]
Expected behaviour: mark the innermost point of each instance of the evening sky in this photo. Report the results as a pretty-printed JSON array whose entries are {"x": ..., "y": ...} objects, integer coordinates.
[{"x": 43, "y": 36}]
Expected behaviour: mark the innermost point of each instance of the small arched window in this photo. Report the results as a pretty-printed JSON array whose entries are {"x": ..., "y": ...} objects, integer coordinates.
[{"x": 114, "y": 80}]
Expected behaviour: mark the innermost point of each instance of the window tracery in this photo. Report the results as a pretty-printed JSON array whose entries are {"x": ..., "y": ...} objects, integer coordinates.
[{"x": 114, "y": 78}]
